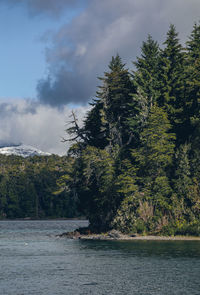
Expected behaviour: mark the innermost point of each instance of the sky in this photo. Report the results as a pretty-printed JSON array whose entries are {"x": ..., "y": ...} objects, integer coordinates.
[{"x": 51, "y": 53}]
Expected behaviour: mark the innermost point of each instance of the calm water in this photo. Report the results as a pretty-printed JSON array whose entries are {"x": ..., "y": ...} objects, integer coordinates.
[{"x": 34, "y": 261}]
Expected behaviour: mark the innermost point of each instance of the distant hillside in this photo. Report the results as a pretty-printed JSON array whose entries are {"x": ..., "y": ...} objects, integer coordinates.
[
  {"x": 22, "y": 150},
  {"x": 28, "y": 185}
]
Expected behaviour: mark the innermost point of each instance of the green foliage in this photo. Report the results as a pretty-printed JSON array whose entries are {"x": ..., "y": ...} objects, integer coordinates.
[
  {"x": 116, "y": 96},
  {"x": 184, "y": 228},
  {"x": 154, "y": 156},
  {"x": 182, "y": 181},
  {"x": 126, "y": 180},
  {"x": 153, "y": 160},
  {"x": 126, "y": 218},
  {"x": 146, "y": 75},
  {"x": 99, "y": 173},
  {"x": 136, "y": 160},
  {"x": 27, "y": 188},
  {"x": 171, "y": 83}
]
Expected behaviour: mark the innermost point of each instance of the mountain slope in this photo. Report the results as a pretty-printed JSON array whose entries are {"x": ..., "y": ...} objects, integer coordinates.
[{"x": 22, "y": 150}]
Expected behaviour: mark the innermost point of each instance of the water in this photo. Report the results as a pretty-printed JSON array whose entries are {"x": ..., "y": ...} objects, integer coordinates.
[{"x": 34, "y": 261}]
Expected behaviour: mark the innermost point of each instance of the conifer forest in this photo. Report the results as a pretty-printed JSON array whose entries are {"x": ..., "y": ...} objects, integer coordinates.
[{"x": 134, "y": 164}]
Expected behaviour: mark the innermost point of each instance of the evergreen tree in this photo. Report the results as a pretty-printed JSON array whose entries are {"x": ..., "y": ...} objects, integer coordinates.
[
  {"x": 154, "y": 158},
  {"x": 99, "y": 178},
  {"x": 116, "y": 97},
  {"x": 182, "y": 182},
  {"x": 146, "y": 74},
  {"x": 94, "y": 126},
  {"x": 27, "y": 186},
  {"x": 172, "y": 82},
  {"x": 193, "y": 86},
  {"x": 125, "y": 171}
]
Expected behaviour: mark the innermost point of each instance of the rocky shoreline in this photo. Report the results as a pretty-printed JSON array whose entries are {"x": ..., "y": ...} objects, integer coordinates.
[{"x": 118, "y": 236}]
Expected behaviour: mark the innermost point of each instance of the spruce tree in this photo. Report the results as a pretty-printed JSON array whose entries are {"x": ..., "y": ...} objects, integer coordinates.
[
  {"x": 193, "y": 86},
  {"x": 127, "y": 174},
  {"x": 116, "y": 97},
  {"x": 99, "y": 180},
  {"x": 94, "y": 128},
  {"x": 155, "y": 156},
  {"x": 146, "y": 74},
  {"x": 171, "y": 81}
]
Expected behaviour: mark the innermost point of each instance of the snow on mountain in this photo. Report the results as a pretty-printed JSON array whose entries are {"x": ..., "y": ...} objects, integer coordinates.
[{"x": 22, "y": 150}]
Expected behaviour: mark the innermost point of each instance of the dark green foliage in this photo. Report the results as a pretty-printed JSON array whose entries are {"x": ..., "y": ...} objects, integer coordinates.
[
  {"x": 94, "y": 128},
  {"x": 171, "y": 83},
  {"x": 116, "y": 96},
  {"x": 193, "y": 85},
  {"x": 147, "y": 71},
  {"x": 27, "y": 188},
  {"x": 157, "y": 145},
  {"x": 98, "y": 172},
  {"x": 136, "y": 164}
]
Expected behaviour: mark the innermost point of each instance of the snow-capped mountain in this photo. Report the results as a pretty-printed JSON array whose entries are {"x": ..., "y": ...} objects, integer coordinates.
[{"x": 22, "y": 150}]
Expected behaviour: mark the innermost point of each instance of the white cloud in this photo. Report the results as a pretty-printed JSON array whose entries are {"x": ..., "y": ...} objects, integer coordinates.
[
  {"x": 37, "y": 125},
  {"x": 80, "y": 52}
]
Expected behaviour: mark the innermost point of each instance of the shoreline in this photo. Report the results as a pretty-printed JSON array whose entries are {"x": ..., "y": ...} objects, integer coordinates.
[
  {"x": 118, "y": 236},
  {"x": 44, "y": 219}
]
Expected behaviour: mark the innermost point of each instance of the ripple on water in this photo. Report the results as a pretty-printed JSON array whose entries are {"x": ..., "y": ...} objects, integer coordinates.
[{"x": 34, "y": 261}]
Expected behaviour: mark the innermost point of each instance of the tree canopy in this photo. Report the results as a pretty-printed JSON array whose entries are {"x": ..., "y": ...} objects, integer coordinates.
[{"x": 137, "y": 169}]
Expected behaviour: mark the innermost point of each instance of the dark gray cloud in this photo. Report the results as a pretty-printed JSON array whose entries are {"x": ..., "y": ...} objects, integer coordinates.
[
  {"x": 50, "y": 7},
  {"x": 82, "y": 49},
  {"x": 65, "y": 87}
]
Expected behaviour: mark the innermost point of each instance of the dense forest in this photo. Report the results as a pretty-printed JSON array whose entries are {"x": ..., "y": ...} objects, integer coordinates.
[
  {"x": 28, "y": 188},
  {"x": 136, "y": 159},
  {"x": 134, "y": 165}
]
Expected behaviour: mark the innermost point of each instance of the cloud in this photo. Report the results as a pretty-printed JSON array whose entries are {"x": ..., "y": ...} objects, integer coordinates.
[
  {"x": 65, "y": 87},
  {"x": 52, "y": 8},
  {"x": 80, "y": 52},
  {"x": 31, "y": 123},
  {"x": 82, "y": 49}
]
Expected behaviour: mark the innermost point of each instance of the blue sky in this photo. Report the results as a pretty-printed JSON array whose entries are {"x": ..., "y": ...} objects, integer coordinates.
[
  {"x": 22, "y": 49},
  {"x": 52, "y": 51}
]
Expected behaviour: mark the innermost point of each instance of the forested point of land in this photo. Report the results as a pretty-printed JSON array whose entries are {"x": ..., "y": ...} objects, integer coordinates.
[
  {"x": 134, "y": 165},
  {"x": 137, "y": 156}
]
